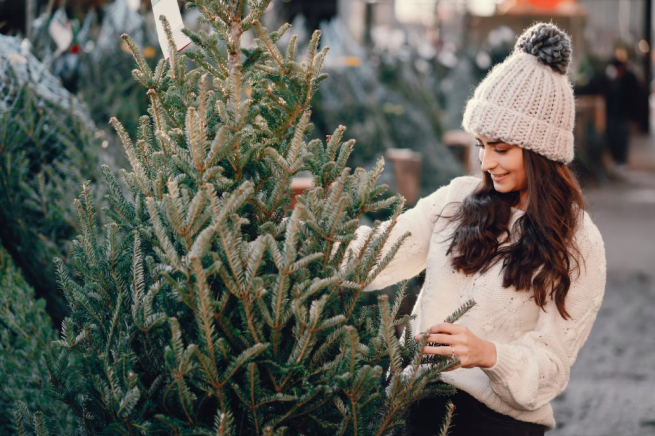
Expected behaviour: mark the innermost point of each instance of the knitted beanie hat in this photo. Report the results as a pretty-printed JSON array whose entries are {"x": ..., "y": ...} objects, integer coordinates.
[{"x": 527, "y": 100}]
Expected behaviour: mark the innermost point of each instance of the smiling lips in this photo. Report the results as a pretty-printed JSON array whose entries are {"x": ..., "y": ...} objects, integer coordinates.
[{"x": 498, "y": 177}]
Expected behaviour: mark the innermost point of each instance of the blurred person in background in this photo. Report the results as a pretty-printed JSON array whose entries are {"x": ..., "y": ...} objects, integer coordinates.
[
  {"x": 621, "y": 105},
  {"x": 518, "y": 242}
]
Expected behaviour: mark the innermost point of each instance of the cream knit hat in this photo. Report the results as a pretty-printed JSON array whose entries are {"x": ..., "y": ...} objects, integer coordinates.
[{"x": 527, "y": 100}]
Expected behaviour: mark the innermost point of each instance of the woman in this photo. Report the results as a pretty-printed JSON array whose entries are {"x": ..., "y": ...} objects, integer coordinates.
[{"x": 518, "y": 242}]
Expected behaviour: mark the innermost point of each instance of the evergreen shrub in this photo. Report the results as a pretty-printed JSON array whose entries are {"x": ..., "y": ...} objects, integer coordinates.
[
  {"x": 25, "y": 334},
  {"x": 209, "y": 306},
  {"x": 46, "y": 152}
]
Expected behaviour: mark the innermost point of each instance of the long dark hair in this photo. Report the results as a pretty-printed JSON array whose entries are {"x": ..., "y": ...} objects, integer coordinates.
[{"x": 545, "y": 256}]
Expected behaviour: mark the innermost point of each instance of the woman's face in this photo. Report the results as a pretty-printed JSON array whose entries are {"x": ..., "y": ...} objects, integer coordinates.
[{"x": 504, "y": 162}]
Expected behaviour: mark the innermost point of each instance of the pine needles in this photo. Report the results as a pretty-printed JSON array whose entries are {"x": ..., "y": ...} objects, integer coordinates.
[{"x": 208, "y": 305}]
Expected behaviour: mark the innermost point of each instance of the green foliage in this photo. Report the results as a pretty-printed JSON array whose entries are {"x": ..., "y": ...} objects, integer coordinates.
[
  {"x": 386, "y": 104},
  {"x": 445, "y": 425},
  {"x": 45, "y": 156},
  {"x": 110, "y": 92},
  {"x": 208, "y": 306},
  {"x": 25, "y": 334}
]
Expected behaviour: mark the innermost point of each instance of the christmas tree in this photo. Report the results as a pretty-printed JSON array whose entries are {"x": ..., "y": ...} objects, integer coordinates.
[
  {"x": 211, "y": 306},
  {"x": 25, "y": 334},
  {"x": 47, "y": 151}
]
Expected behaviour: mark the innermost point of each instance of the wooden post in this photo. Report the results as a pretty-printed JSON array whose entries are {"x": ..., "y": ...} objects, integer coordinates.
[
  {"x": 29, "y": 17},
  {"x": 368, "y": 22},
  {"x": 407, "y": 171},
  {"x": 461, "y": 143},
  {"x": 648, "y": 65},
  {"x": 298, "y": 186}
]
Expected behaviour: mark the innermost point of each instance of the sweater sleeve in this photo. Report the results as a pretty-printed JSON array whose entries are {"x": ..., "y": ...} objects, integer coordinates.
[
  {"x": 411, "y": 257},
  {"x": 533, "y": 369}
]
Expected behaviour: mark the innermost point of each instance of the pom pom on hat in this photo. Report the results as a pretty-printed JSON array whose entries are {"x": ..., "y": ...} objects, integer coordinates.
[{"x": 549, "y": 44}]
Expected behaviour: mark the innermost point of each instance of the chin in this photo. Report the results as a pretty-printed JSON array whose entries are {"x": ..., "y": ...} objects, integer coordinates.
[{"x": 503, "y": 189}]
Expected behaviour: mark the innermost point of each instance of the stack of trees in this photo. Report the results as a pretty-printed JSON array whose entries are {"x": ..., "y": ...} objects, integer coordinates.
[
  {"x": 26, "y": 334},
  {"x": 48, "y": 149}
]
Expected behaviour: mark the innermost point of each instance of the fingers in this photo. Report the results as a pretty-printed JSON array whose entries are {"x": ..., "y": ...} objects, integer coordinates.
[
  {"x": 445, "y": 350},
  {"x": 438, "y": 339},
  {"x": 446, "y": 327}
]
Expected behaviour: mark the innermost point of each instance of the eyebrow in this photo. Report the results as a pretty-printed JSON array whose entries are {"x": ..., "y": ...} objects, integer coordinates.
[{"x": 491, "y": 142}]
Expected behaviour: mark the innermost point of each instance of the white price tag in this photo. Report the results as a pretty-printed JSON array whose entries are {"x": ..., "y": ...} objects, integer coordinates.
[
  {"x": 134, "y": 4},
  {"x": 60, "y": 30},
  {"x": 171, "y": 11}
]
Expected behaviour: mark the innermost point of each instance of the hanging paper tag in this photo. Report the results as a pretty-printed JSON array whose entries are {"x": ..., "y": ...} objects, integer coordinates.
[
  {"x": 134, "y": 4},
  {"x": 171, "y": 11},
  {"x": 60, "y": 30}
]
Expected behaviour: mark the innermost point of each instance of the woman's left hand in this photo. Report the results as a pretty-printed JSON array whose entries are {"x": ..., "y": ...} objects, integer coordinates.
[{"x": 471, "y": 350}]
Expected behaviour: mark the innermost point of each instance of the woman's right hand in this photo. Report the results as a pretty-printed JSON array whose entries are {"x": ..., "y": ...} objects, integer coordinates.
[{"x": 454, "y": 339}]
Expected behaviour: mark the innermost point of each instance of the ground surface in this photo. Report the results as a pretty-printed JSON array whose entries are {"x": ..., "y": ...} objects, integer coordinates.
[{"x": 612, "y": 387}]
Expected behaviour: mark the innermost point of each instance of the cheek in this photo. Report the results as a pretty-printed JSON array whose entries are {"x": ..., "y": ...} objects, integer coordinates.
[{"x": 514, "y": 162}]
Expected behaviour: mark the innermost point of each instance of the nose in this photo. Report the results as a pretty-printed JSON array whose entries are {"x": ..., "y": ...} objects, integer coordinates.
[{"x": 487, "y": 160}]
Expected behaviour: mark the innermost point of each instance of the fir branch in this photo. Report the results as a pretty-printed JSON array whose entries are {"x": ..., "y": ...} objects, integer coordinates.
[
  {"x": 460, "y": 311},
  {"x": 172, "y": 50},
  {"x": 137, "y": 53},
  {"x": 272, "y": 49},
  {"x": 255, "y": 14},
  {"x": 224, "y": 423},
  {"x": 137, "y": 271},
  {"x": 447, "y": 420}
]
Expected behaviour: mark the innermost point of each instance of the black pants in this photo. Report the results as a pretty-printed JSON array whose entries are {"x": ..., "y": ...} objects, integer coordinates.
[
  {"x": 471, "y": 418},
  {"x": 618, "y": 138}
]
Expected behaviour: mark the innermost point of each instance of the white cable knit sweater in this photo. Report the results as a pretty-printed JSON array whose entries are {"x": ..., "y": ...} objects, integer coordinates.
[{"x": 535, "y": 349}]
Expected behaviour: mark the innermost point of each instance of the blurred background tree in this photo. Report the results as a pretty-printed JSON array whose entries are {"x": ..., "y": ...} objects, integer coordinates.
[
  {"x": 26, "y": 333},
  {"x": 49, "y": 147}
]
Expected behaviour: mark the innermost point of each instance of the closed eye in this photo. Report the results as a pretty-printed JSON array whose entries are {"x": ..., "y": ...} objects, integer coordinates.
[{"x": 499, "y": 151}]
